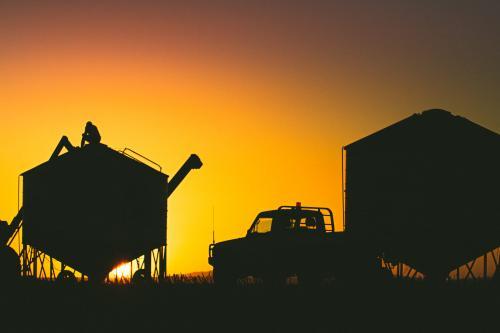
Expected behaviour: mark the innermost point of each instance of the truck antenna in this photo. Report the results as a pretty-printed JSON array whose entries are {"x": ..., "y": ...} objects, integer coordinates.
[{"x": 213, "y": 224}]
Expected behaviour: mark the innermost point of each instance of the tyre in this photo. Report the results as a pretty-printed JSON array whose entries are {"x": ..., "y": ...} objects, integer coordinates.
[
  {"x": 224, "y": 278},
  {"x": 11, "y": 266},
  {"x": 141, "y": 278},
  {"x": 66, "y": 277}
]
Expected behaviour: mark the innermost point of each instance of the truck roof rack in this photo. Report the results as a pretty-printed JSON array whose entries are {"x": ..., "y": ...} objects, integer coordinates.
[{"x": 326, "y": 212}]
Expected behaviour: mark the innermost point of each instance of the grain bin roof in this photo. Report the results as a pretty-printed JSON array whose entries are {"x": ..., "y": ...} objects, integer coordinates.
[{"x": 418, "y": 125}]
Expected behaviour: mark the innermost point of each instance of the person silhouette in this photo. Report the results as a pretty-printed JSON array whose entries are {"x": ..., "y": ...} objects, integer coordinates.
[{"x": 91, "y": 134}]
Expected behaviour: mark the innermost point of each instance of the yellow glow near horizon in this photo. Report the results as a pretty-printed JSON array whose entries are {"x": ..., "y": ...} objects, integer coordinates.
[
  {"x": 121, "y": 272},
  {"x": 265, "y": 97}
]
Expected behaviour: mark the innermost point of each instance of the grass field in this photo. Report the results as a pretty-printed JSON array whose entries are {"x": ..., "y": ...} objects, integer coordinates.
[{"x": 188, "y": 305}]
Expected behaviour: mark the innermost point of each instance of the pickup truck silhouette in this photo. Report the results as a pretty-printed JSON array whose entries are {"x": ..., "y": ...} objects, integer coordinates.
[{"x": 290, "y": 241}]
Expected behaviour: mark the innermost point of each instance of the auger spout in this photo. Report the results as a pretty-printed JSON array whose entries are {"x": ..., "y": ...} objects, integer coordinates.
[{"x": 193, "y": 162}]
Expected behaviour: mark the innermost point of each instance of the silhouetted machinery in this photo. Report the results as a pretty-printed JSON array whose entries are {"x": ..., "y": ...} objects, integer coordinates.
[
  {"x": 423, "y": 192},
  {"x": 93, "y": 208}
]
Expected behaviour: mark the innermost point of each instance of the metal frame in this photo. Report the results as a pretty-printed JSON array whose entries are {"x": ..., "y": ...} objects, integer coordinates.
[
  {"x": 133, "y": 155},
  {"x": 402, "y": 271},
  {"x": 39, "y": 265},
  {"x": 466, "y": 272},
  {"x": 476, "y": 269},
  {"x": 325, "y": 211},
  {"x": 36, "y": 264}
]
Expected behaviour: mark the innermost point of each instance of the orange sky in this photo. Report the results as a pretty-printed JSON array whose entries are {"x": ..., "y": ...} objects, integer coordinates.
[{"x": 265, "y": 94}]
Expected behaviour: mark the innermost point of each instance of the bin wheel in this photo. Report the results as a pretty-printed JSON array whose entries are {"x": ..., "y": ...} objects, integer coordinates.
[
  {"x": 66, "y": 276},
  {"x": 11, "y": 266},
  {"x": 140, "y": 277}
]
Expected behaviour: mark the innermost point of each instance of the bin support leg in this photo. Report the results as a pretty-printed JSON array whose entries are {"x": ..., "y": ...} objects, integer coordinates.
[{"x": 147, "y": 264}]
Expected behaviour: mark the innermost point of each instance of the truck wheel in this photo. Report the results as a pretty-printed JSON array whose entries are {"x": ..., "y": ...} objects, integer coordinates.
[
  {"x": 274, "y": 280},
  {"x": 224, "y": 278}
]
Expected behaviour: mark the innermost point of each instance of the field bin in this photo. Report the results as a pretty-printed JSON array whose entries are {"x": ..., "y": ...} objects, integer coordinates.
[
  {"x": 425, "y": 191},
  {"x": 94, "y": 208}
]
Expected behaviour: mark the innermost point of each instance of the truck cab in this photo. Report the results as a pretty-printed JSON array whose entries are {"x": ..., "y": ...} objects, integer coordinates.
[
  {"x": 279, "y": 243},
  {"x": 289, "y": 219}
]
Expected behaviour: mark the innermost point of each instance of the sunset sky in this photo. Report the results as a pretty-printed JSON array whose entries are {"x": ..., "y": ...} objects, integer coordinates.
[{"x": 266, "y": 94}]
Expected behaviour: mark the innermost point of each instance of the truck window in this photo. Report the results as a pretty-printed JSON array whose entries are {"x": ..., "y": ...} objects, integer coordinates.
[
  {"x": 308, "y": 223},
  {"x": 263, "y": 225}
]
